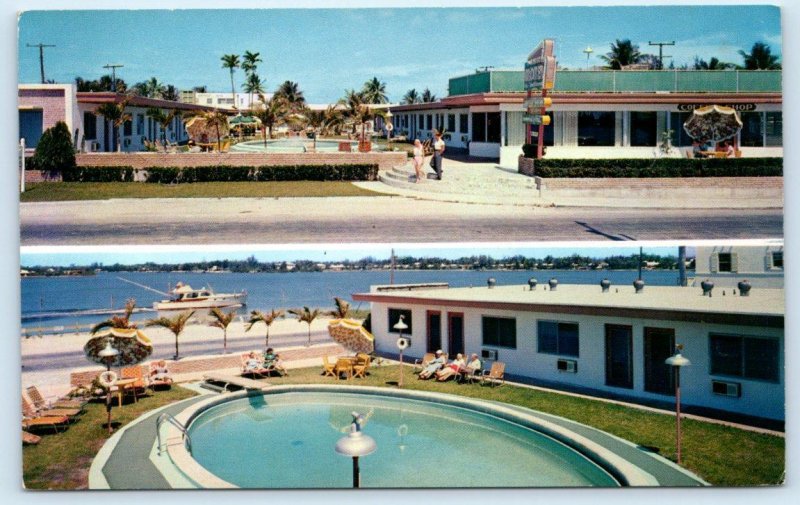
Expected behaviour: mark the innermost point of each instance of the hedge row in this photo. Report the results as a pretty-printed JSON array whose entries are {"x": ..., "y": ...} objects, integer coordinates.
[
  {"x": 223, "y": 173},
  {"x": 662, "y": 167}
]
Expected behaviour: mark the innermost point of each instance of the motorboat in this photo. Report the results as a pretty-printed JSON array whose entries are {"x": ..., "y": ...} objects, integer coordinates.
[{"x": 183, "y": 296}]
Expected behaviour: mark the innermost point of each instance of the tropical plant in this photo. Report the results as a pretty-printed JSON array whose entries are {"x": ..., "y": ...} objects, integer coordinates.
[
  {"x": 150, "y": 88},
  {"x": 341, "y": 310},
  {"x": 216, "y": 118},
  {"x": 200, "y": 89},
  {"x": 411, "y": 97},
  {"x": 760, "y": 57},
  {"x": 306, "y": 315},
  {"x": 170, "y": 93},
  {"x": 374, "y": 91},
  {"x": 712, "y": 64},
  {"x": 270, "y": 113},
  {"x": 175, "y": 324},
  {"x": 333, "y": 120},
  {"x": 115, "y": 114},
  {"x": 222, "y": 320},
  {"x": 290, "y": 91},
  {"x": 122, "y": 322},
  {"x": 231, "y": 62},
  {"x": 55, "y": 150},
  {"x": 252, "y": 85},
  {"x": 622, "y": 53},
  {"x": 164, "y": 119},
  {"x": 427, "y": 96},
  {"x": 102, "y": 84},
  {"x": 250, "y": 61},
  {"x": 356, "y": 111},
  {"x": 256, "y": 316}
]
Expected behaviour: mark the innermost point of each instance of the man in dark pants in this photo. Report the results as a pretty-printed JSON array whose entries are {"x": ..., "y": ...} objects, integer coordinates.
[{"x": 438, "y": 151}]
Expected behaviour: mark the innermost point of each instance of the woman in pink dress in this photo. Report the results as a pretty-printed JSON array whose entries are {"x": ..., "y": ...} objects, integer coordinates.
[{"x": 419, "y": 157}]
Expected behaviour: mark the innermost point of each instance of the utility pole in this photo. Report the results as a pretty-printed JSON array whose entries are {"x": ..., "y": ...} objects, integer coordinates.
[
  {"x": 41, "y": 56},
  {"x": 113, "y": 75},
  {"x": 661, "y": 51},
  {"x": 588, "y": 52}
]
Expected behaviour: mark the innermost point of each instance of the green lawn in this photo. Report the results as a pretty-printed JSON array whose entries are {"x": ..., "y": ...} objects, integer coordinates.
[
  {"x": 63, "y": 191},
  {"x": 721, "y": 455}
]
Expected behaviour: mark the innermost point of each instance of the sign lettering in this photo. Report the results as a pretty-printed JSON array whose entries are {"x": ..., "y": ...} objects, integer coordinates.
[
  {"x": 540, "y": 69},
  {"x": 739, "y": 107}
]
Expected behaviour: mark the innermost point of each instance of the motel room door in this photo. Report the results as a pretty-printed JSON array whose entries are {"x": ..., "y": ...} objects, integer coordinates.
[
  {"x": 434, "y": 340},
  {"x": 455, "y": 333},
  {"x": 658, "y": 346},
  {"x": 619, "y": 356}
]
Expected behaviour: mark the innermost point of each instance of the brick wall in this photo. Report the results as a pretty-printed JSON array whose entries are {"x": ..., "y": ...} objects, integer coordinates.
[
  {"x": 384, "y": 161},
  {"x": 42, "y": 176}
]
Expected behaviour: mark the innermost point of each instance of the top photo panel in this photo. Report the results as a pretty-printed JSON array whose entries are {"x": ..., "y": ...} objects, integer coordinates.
[{"x": 411, "y": 125}]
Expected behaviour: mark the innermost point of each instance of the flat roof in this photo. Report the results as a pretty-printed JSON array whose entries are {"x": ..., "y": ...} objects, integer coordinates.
[{"x": 763, "y": 307}]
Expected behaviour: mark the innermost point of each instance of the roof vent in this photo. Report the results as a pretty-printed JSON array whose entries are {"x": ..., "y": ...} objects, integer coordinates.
[
  {"x": 532, "y": 282},
  {"x": 553, "y": 282},
  {"x": 491, "y": 282},
  {"x": 707, "y": 286},
  {"x": 744, "y": 287},
  {"x": 638, "y": 285},
  {"x": 605, "y": 284}
]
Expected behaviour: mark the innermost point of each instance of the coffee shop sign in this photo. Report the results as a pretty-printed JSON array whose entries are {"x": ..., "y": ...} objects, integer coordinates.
[
  {"x": 540, "y": 69},
  {"x": 739, "y": 107}
]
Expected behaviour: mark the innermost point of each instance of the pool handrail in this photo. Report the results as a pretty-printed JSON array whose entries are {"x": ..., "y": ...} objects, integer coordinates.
[{"x": 165, "y": 416}]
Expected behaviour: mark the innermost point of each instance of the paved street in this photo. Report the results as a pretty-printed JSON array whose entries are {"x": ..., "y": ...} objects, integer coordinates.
[{"x": 371, "y": 219}]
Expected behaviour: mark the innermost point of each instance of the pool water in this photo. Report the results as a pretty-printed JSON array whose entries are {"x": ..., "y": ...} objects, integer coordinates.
[
  {"x": 293, "y": 145},
  {"x": 287, "y": 441}
]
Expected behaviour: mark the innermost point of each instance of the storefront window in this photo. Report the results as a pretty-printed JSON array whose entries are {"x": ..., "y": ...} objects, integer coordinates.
[
  {"x": 493, "y": 127},
  {"x": 479, "y": 127},
  {"x": 774, "y": 127},
  {"x": 643, "y": 128},
  {"x": 752, "y": 133},
  {"x": 596, "y": 128},
  {"x": 679, "y": 136},
  {"x": 463, "y": 123}
]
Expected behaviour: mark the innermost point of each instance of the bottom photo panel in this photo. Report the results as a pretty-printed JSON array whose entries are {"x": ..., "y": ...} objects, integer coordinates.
[{"x": 385, "y": 366}]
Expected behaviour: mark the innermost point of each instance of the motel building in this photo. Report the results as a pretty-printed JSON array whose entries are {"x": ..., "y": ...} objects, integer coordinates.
[
  {"x": 604, "y": 343},
  {"x": 41, "y": 106},
  {"x": 728, "y": 265},
  {"x": 598, "y": 113}
]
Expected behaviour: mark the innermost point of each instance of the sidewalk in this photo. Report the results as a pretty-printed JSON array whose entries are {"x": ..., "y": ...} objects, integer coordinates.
[{"x": 487, "y": 183}]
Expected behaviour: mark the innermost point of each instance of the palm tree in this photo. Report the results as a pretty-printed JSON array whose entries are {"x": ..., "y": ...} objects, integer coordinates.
[
  {"x": 623, "y": 52},
  {"x": 175, "y": 324},
  {"x": 231, "y": 62},
  {"x": 290, "y": 91},
  {"x": 270, "y": 114},
  {"x": 106, "y": 83},
  {"x": 427, "y": 96},
  {"x": 411, "y": 97},
  {"x": 119, "y": 322},
  {"x": 170, "y": 93},
  {"x": 222, "y": 320},
  {"x": 356, "y": 111},
  {"x": 253, "y": 85},
  {"x": 256, "y": 316},
  {"x": 216, "y": 118},
  {"x": 712, "y": 64},
  {"x": 163, "y": 119},
  {"x": 333, "y": 120},
  {"x": 250, "y": 61},
  {"x": 115, "y": 114},
  {"x": 760, "y": 57},
  {"x": 306, "y": 315},
  {"x": 374, "y": 91},
  {"x": 341, "y": 310}
]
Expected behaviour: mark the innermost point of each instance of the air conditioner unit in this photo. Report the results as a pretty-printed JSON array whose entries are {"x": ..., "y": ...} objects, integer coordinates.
[
  {"x": 94, "y": 146},
  {"x": 567, "y": 365},
  {"x": 721, "y": 388},
  {"x": 490, "y": 354},
  {"x": 126, "y": 142}
]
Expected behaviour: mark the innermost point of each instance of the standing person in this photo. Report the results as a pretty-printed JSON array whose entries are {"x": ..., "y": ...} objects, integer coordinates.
[
  {"x": 438, "y": 151},
  {"x": 730, "y": 151},
  {"x": 419, "y": 157}
]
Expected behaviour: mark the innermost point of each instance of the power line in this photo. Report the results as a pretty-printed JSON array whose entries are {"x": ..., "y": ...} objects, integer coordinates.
[
  {"x": 113, "y": 75},
  {"x": 661, "y": 51},
  {"x": 41, "y": 56}
]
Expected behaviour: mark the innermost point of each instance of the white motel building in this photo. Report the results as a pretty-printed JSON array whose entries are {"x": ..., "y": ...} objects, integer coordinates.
[
  {"x": 608, "y": 343},
  {"x": 598, "y": 113}
]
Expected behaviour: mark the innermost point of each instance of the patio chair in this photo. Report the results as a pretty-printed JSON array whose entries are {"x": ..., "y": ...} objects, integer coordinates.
[
  {"x": 29, "y": 411},
  {"x": 159, "y": 377},
  {"x": 495, "y": 375},
  {"x": 275, "y": 366},
  {"x": 45, "y": 423},
  {"x": 30, "y": 438},
  {"x": 139, "y": 385},
  {"x": 470, "y": 375},
  {"x": 259, "y": 371},
  {"x": 361, "y": 366},
  {"x": 344, "y": 366},
  {"x": 422, "y": 363},
  {"x": 328, "y": 368},
  {"x": 40, "y": 403}
]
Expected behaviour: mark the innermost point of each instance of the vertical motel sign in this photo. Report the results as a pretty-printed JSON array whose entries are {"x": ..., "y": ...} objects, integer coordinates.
[{"x": 540, "y": 75}]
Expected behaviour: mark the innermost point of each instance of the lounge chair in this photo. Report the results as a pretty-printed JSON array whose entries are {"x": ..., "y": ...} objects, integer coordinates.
[
  {"x": 275, "y": 366},
  {"x": 30, "y": 438},
  {"x": 30, "y": 411},
  {"x": 159, "y": 377},
  {"x": 32, "y": 422},
  {"x": 259, "y": 371},
  {"x": 361, "y": 366},
  {"x": 495, "y": 375},
  {"x": 139, "y": 385},
  {"x": 422, "y": 363},
  {"x": 328, "y": 368},
  {"x": 40, "y": 403}
]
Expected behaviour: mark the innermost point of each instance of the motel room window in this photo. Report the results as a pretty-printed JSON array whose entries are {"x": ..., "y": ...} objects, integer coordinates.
[
  {"x": 557, "y": 338},
  {"x": 463, "y": 123},
  {"x": 127, "y": 128},
  {"x": 746, "y": 357},
  {"x": 776, "y": 260},
  {"x": 493, "y": 127},
  {"x": 479, "y": 127},
  {"x": 500, "y": 332},
  {"x": 679, "y": 136},
  {"x": 596, "y": 128},
  {"x": 774, "y": 129},
  {"x": 89, "y": 126},
  {"x": 643, "y": 129},
  {"x": 428, "y": 122},
  {"x": 209, "y": 101},
  {"x": 31, "y": 126},
  {"x": 451, "y": 123},
  {"x": 724, "y": 262},
  {"x": 394, "y": 316},
  {"x": 140, "y": 124},
  {"x": 420, "y": 124},
  {"x": 752, "y": 134}
]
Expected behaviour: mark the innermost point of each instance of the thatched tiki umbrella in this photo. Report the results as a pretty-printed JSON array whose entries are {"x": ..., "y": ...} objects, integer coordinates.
[
  {"x": 133, "y": 346},
  {"x": 352, "y": 335},
  {"x": 713, "y": 123}
]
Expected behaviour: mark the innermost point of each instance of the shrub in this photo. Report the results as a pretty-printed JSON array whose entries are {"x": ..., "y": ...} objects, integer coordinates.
[
  {"x": 54, "y": 150},
  {"x": 529, "y": 150},
  {"x": 98, "y": 174},
  {"x": 663, "y": 167}
]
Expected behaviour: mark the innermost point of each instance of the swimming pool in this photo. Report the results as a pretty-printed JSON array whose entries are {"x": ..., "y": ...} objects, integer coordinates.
[
  {"x": 294, "y": 145},
  {"x": 285, "y": 438}
]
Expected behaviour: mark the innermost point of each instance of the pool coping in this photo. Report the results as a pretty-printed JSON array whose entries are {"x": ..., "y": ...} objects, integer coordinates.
[{"x": 627, "y": 474}]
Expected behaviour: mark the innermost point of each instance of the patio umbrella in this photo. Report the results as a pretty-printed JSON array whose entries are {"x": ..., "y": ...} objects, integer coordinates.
[
  {"x": 713, "y": 123},
  {"x": 197, "y": 127},
  {"x": 240, "y": 120},
  {"x": 132, "y": 344},
  {"x": 351, "y": 335}
]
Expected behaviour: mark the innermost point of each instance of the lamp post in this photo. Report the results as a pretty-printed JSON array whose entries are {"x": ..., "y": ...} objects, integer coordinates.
[
  {"x": 355, "y": 444},
  {"x": 588, "y": 52},
  {"x": 108, "y": 354},
  {"x": 677, "y": 361},
  {"x": 389, "y": 128},
  {"x": 402, "y": 343}
]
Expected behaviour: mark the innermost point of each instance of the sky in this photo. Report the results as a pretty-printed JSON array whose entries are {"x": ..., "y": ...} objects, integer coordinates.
[
  {"x": 328, "y": 51},
  {"x": 83, "y": 256}
]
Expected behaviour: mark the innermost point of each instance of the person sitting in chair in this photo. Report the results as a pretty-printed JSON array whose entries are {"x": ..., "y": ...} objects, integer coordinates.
[
  {"x": 433, "y": 365},
  {"x": 697, "y": 150},
  {"x": 160, "y": 373},
  {"x": 452, "y": 369},
  {"x": 252, "y": 363}
]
